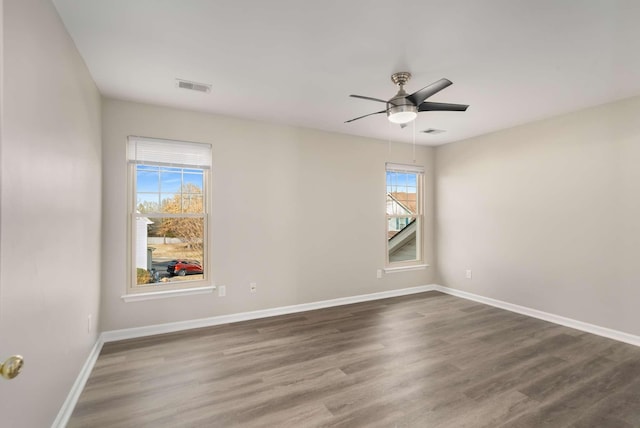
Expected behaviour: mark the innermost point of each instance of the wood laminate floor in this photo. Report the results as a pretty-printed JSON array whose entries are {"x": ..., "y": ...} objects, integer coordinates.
[{"x": 425, "y": 360}]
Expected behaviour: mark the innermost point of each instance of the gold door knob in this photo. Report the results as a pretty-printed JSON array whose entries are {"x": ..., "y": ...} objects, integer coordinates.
[{"x": 11, "y": 367}]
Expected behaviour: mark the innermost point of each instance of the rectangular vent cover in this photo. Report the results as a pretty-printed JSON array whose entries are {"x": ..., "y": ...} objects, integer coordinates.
[{"x": 194, "y": 86}]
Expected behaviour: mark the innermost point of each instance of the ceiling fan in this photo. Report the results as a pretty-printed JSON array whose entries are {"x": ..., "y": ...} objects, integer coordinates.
[{"x": 403, "y": 108}]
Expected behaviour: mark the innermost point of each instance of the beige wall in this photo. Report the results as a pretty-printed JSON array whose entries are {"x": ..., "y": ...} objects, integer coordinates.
[
  {"x": 300, "y": 212},
  {"x": 547, "y": 215},
  {"x": 50, "y": 212}
]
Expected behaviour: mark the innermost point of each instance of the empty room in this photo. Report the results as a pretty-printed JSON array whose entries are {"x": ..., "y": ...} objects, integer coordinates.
[{"x": 319, "y": 213}]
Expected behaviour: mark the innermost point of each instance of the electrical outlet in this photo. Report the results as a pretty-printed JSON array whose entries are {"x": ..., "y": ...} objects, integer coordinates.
[
  {"x": 89, "y": 323},
  {"x": 379, "y": 273},
  {"x": 222, "y": 290},
  {"x": 468, "y": 274},
  {"x": 253, "y": 287}
]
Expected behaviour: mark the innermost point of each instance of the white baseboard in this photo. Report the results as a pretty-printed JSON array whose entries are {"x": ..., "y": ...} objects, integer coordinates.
[
  {"x": 132, "y": 333},
  {"x": 534, "y": 313},
  {"x": 62, "y": 419}
]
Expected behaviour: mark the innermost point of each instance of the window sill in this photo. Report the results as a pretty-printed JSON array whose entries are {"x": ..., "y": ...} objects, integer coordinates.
[
  {"x": 152, "y": 295},
  {"x": 405, "y": 268}
]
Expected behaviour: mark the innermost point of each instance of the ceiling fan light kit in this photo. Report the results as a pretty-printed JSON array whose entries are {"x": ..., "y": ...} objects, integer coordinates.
[
  {"x": 401, "y": 117},
  {"x": 402, "y": 114},
  {"x": 404, "y": 108}
]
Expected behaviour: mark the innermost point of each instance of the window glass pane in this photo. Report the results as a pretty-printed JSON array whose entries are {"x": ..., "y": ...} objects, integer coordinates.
[
  {"x": 194, "y": 177},
  {"x": 402, "y": 238},
  {"x": 147, "y": 202},
  {"x": 402, "y": 193},
  {"x": 170, "y": 182},
  {"x": 192, "y": 203},
  {"x": 147, "y": 178},
  {"x": 394, "y": 206},
  {"x": 171, "y": 203},
  {"x": 169, "y": 190},
  {"x": 169, "y": 250}
]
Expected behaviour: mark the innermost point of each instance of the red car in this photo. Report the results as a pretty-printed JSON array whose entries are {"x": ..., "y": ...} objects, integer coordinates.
[{"x": 184, "y": 267}]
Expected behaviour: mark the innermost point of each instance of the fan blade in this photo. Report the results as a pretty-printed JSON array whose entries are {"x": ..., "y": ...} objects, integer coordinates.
[
  {"x": 419, "y": 96},
  {"x": 370, "y": 114},
  {"x": 428, "y": 106},
  {"x": 368, "y": 98}
]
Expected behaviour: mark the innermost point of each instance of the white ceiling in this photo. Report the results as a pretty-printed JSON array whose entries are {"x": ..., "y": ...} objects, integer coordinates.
[{"x": 296, "y": 61}]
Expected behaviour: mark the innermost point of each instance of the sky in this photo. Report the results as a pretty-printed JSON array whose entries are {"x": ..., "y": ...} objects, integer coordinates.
[
  {"x": 401, "y": 182},
  {"x": 155, "y": 183}
]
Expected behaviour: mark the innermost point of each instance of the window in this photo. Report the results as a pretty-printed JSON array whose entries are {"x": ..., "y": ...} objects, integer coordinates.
[
  {"x": 404, "y": 215},
  {"x": 168, "y": 211}
]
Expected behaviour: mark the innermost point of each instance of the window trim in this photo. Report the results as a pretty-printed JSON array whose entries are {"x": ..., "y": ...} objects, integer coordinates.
[
  {"x": 132, "y": 289},
  {"x": 397, "y": 269},
  {"x": 165, "y": 294},
  {"x": 418, "y": 262}
]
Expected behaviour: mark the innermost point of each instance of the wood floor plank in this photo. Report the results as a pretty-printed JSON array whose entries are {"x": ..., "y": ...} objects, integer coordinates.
[
  {"x": 620, "y": 409},
  {"x": 562, "y": 412},
  {"x": 428, "y": 359}
]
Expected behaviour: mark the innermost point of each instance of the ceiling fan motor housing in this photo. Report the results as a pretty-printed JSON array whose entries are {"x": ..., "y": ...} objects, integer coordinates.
[{"x": 399, "y": 108}]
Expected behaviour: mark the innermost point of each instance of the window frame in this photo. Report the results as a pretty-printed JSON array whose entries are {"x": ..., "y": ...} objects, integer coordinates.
[
  {"x": 132, "y": 287},
  {"x": 419, "y": 217}
]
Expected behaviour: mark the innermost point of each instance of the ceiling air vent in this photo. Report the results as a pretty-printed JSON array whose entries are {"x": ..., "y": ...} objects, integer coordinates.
[
  {"x": 433, "y": 131},
  {"x": 194, "y": 86}
]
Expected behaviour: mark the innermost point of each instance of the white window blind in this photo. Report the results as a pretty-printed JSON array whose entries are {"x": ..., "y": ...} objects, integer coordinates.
[
  {"x": 143, "y": 150},
  {"x": 398, "y": 167}
]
